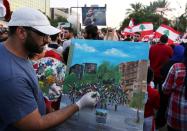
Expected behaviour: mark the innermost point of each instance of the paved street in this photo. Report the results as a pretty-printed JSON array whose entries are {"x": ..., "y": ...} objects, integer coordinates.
[{"x": 121, "y": 120}]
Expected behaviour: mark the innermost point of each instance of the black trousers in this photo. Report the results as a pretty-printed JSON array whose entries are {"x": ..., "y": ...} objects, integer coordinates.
[
  {"x": 172, "y": 129},
  {"x": 160, "y": 120}
]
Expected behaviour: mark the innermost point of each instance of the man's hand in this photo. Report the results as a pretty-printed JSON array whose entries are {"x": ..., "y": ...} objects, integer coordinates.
[{"x": 89, "y": 99}]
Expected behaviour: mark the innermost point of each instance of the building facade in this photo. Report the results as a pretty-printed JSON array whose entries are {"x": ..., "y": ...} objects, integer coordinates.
[
  {"x": 134, "y": 76},
  {"x": 42, "y": 5},
  {"x": 59, "y": 12}
]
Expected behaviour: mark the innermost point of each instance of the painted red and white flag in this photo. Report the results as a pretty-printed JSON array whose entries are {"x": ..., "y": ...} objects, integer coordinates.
[{"x": 172, "y": 34}]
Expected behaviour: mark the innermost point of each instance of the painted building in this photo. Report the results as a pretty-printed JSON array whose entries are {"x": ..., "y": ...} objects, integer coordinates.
[
  {"x": 134, "y": 75},
  {"x": 90, "y": 67},
  {"x": 77, "y": 69}
]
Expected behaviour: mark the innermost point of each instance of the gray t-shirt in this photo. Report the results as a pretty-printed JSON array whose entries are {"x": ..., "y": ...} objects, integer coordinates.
[{"x": 19, "y": 90}]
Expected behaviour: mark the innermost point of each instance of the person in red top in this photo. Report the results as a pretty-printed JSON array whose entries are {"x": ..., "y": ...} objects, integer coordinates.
[
  {"x": 152, "y": 104},
  {"x": 159, "y": 54},
  {"x": 54, "y": 50}
]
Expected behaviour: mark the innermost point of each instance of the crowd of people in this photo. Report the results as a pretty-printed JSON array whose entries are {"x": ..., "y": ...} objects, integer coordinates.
[
  {"x": 29, "y": 36},
  {"x": 22, "y": 104},
  {"x": 169, "y": 80}
]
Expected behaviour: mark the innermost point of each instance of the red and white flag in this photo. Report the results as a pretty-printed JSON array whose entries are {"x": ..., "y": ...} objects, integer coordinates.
[
  {"x": 131, "y": 23},
  {"x": 145, "y": 28},
  {"x": 167, "y": 30},
  {"x": 128, "y": 30}
]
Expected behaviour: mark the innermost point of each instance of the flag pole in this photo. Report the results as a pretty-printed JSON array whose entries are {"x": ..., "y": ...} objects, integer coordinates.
[{"x": 77, "y": 17}]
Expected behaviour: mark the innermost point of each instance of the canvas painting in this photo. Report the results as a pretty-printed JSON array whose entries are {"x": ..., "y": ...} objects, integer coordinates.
[{"x": 118, "y": 71}]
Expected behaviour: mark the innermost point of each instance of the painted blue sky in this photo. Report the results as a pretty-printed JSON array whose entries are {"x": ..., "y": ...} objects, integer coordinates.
[{"x": 97, "y": 51}]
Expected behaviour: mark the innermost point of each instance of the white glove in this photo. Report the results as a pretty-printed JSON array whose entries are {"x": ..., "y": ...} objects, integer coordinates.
[
  {"x": 54, "y": 91},
  {"x": 88, "y": 99}
]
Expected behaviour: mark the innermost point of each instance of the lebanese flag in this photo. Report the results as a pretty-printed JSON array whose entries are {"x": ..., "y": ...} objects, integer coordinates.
[
  {"x": 147, "y": 37},
  {"x": 127, "y": 31},
  {"x": 145, "y": 28},
  {"x": 169, "y": 31}
]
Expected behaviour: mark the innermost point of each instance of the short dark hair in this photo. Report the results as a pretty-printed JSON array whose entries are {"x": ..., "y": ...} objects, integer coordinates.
[
  {"x": 54, "y": 37},
  {"x": 91, "y": 31},
  {"x": 164, "y": 39},
  {"x": 12, "y": 30},
  {"x": 69, "y": 29},
  {"x": 65, "y": 55}
]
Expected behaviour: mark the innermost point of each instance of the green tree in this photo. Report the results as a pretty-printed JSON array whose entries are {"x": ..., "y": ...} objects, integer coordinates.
[
  {"x": 58, "y": 19},
  {"x": 180, "y": 23},
  {"x": 143, "y": 13},
  {"x": 138, "y": 7},
  {"x": 157, "y": 4}
]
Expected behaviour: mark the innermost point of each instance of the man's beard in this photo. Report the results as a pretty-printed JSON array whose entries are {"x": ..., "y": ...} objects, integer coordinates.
[
  {"x": 3, "y": 39},
  {"x": 32, "y": 47}
]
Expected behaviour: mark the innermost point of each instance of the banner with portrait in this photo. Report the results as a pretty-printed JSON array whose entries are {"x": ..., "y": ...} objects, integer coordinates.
[{"x": 94, "y": 15}]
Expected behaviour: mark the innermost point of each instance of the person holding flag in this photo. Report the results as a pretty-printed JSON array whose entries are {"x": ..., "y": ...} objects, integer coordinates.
[
  {"x": 144, "y": 29},
  {"x": 159, "y": 54},
  {"x": 128, "y": 30}
]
